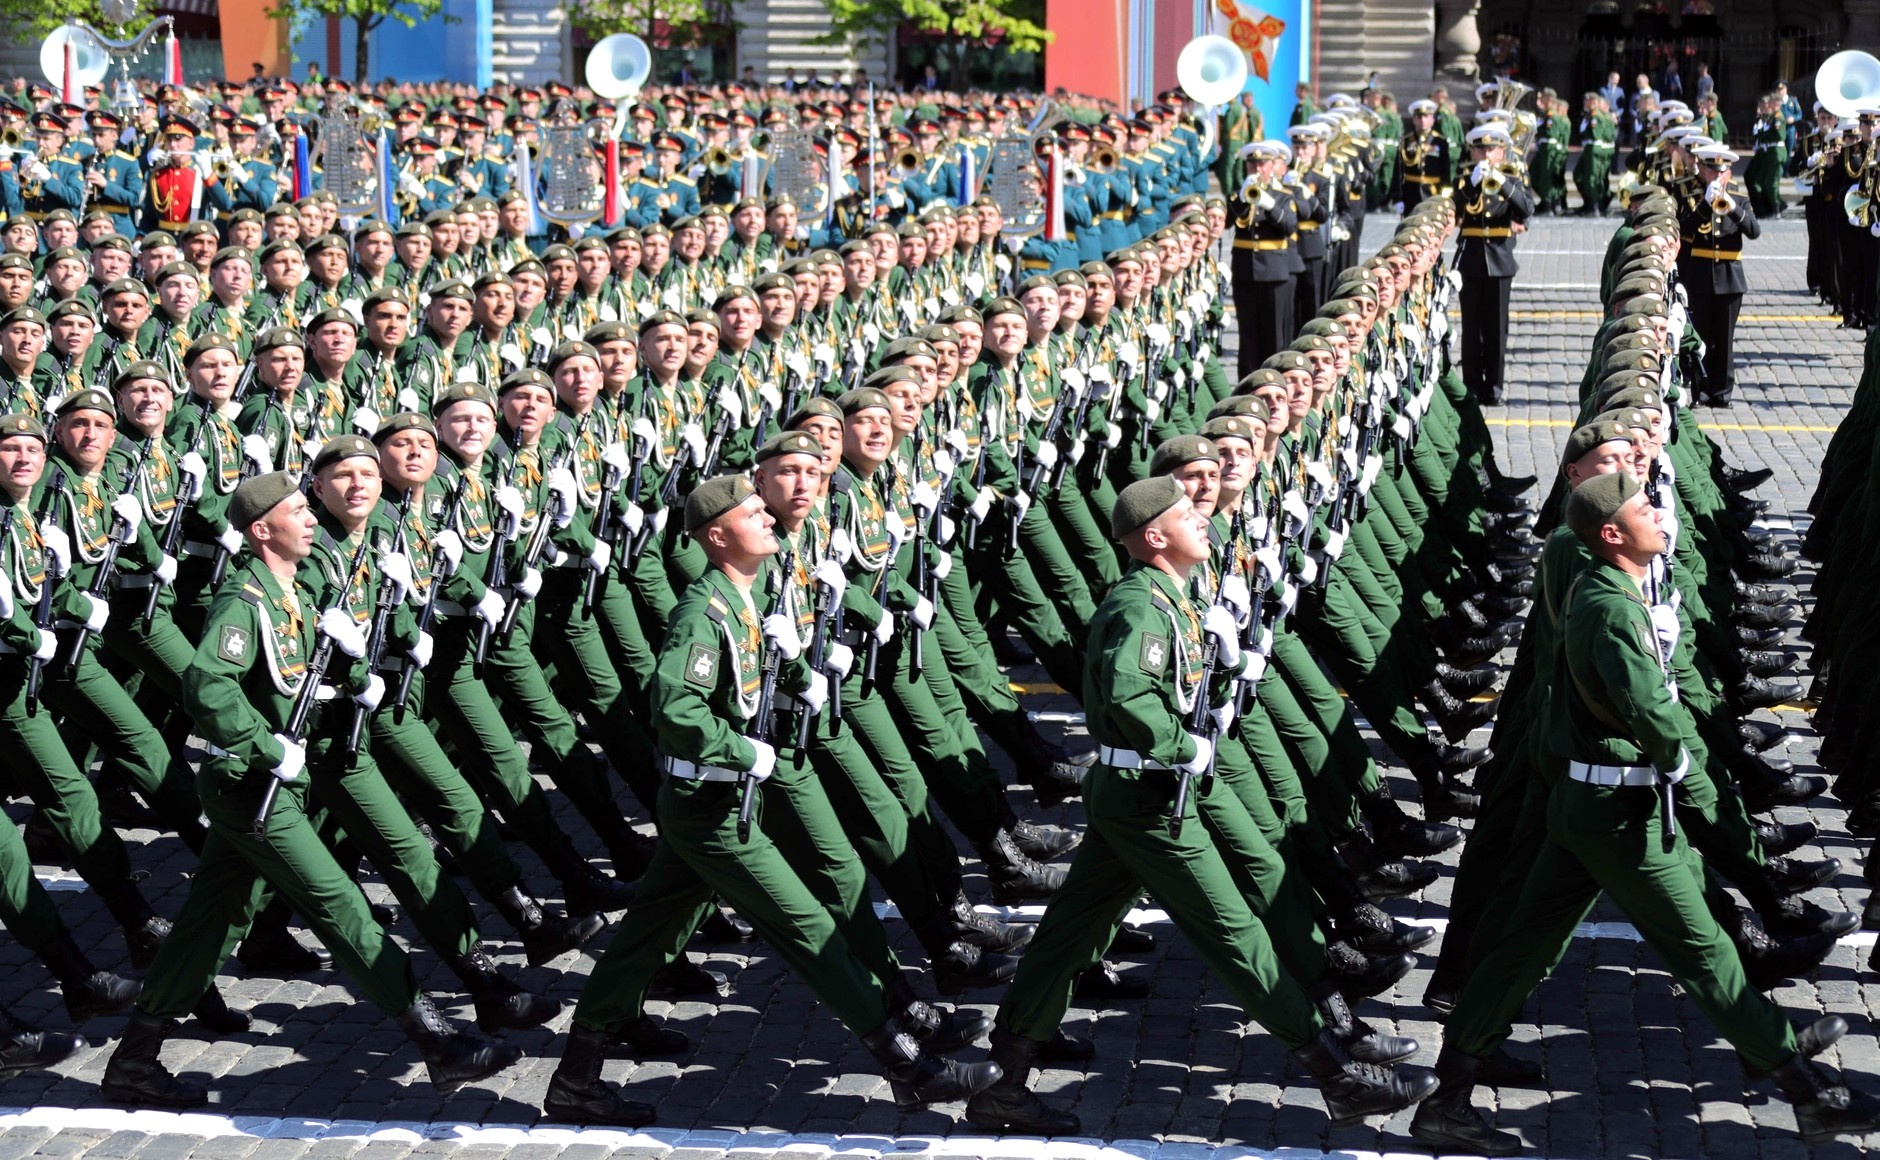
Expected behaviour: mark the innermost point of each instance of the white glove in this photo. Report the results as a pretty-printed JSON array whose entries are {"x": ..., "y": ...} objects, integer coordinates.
[
  {"x": 1219, "y": 623},
  {"x": 922, "y": 614},
  {"x": 924, "y": 498},
  {"x": 491, "y": 607},
  {"x": 1479, "y": 172},
  {"x": 830, "y": 573},
  {"x": 366, "y": 421},
  {"x": 1674, "y": 776},
  {"x": 1112, "y": 436},
  {"x": 1308, "y": 571},
  {"x": 1665, "y": 623},
  {"x": 421, "y": 651},
  {"x": 58, "y": 548},
  {"x": 231, "y": 540},
  {"x": 694, "y": 437},
  {"x": 1223, "y": 717},
  {"x": 780, "y": 630},
  {"x": 815, "y": 694},
  {"x": 97, "y": 612},
  {"x": 165, "y": 570},
  {"x": 841, "y": 547},
  {"x": 1204, "y": 753},
  {"x": 48, "y": 646},
  {"x": 1235, "y": 594},
  {"x": 895, "y": 528},
  {"x": 6, "y": 596},
  {"x": 884, "y": 631},
  {"x": 942, "y": 565},
  {"x": 1256, "y": 668},
  {"x": 962, "y": 447},
  {"x": 130, "y": 509},
  {"x": 293, "y": 758},
  {"x": 632, "y": 517},
  {"x": 764, "y": 762},
  {"x": 396, "y": 567},
  {"x": 449, "y": 548},
  {"x": 943, "y": 463},
  {"x": 530, "y": 584},
  {"x": 982, "y": 504},
  {"x": 601, "y": 556},
  {"x": 1047, "y": 455},
  {"x": 566, "y": 494},
  {"x": 1021, "y": 503},
  {"x": 193, "y": 471},
  {"x": 1294, "y": 505},
  {"x": 39, "y": 172},
  {"x": 1335, "y": 544},
  {"x": 256, "y": 449},
  {"x": 337, "y": 625},
  {"x": 369, "y": 697}
]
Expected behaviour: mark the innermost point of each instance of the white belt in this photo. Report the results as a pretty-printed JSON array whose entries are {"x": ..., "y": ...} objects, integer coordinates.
[
  {"x": 1125, "y": 759},
  {"x": 692, "y": 771},
  {"x": 1612, "y": 775}
]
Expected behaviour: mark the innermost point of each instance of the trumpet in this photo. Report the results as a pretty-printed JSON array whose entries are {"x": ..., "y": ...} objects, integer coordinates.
[
  {"x": 906, "y": 162},
  {"x": 1717, "y": 193},
  {"x": 1104, "y": 159},
  {"x": 718, "y": 161},
  {"x": 1491, "y": 178}
]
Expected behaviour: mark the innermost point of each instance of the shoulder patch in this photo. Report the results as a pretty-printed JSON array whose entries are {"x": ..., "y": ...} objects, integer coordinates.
[
  {"x": 701, "y": 666},
  {"x": 1152, "y": 654},
  {"x": 233, "y": 644}
]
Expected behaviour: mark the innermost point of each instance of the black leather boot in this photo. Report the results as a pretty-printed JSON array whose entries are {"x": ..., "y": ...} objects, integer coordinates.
[
  {"x": 214, "y": 1013},
  {"x": 1465, "y": 682},
  {"x": 578, "y": 1095},
  {"x": 1104, "y": 982},
  {"x": 1788, "y": 876},
  {"x": 135, "y": 1074},
  {"x": 686, "y": 976},
  {"x": 1824, "y": 1109},
  {"x": 1014, "y": 876},
  {"x": 544, "y": 937},
  {"x": 453, "y": 1058},
  {"x": 88, "y": 991},
  {"x": 1008, "y": 1106},
  {"x": 584, "y": 888},
  {"x": 939, "y": 1029},
  {"x": 1360, "y": 975},
  {"x": 1779, "y": 838},
  {"x": 918, "y": 1077},
  {"x": 1355, "y": 1090},
  {"x": 25, "y": 1048},
  {"x": 1768, "y": 963},
  {"x": 1043, "y": 843},
  {"x": 272, "y": 949},
  {"x": 1369, "y": 929},
  {"x": 1449, "y": 1122},
  {"x": 1811, "y": 1041},
  {"x": 987, "y": 932},
  {"x": 961, "y": 966},
  {"x": 501, "y": 1003},
  {"x": 1365, "y": 1043},
  {"x": 1397, "y": 834},
  {"x": 144, "y": 932}
]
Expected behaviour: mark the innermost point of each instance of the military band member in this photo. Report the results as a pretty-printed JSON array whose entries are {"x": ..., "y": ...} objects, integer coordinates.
[
  {"x": 1494, "y": 202},
  {"x": 1715, "y": 218}
]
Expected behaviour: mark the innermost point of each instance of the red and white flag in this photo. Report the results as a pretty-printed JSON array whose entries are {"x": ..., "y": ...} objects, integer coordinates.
[{"x": 1256, "y": 32}]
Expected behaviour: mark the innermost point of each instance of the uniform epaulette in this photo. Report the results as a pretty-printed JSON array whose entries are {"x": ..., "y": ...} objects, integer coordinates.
[
  {"x": 716, "y": 609},
  {"x": 252, "y": 594},
  {"x": 682, "y": 179},
  {"x": 1160, "y": 598}
]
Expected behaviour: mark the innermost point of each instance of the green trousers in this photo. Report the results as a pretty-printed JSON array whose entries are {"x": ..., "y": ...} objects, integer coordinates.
[
  {"x": 699, "y": 857},
  {"x": 1610, "y": 840},
  {"x": 236, "y": 871},
  {"x": 939, "y": 732},
  {"x": 869, "y": 723},
  {"x": 1127, "y": 849},
  {"x": 95, "y": 709},
  {"x": 1009, "y": 584}
]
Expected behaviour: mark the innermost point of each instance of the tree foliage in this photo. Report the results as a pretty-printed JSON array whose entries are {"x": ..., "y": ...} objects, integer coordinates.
[
  {"x": 42, "y": 16},
  {"x": 1013, "y": 24},
  {"x": 681, "y": 23},
  {"x": 366, "y": 15}
]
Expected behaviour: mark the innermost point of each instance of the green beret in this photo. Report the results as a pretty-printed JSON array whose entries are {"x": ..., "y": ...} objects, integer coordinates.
[
  {"x": 257, "y": 497},
  {"x": 963, "y": 313},
  {"x": 331, "y": 315},
  {"x": 1035, "y": 282},
  {"x": 452, "y": 289},
  {"x": 20, "y": 423},
  {"x": 412, "y": 229},
  {"x": 70, "y": 307},
  {"x": 205, "y": 343},
  {"x": 568, "y": 350},
  {"x": 912, "y": 229},
  {"x": 1624, "y": 416},
  {"x": 155, "y": 238},
  {"x": 1287, "y": 360},
  {"x": 64, "y": 252},
  {"x": 1142, "y": 501},
  {"x": 1585, "y": 439},
  {"x": 774, "y": 282},
  {"x": 790, "y": 443},
  {"x": 526, "y": 377},
  {"x": 731, "y": 294},
  {"x": 661, "y": 318},
  {"x": 493, "y": 278},
  {"x": 143, "y": 368},
  {"x": 125, "y": 286},
  {"x": 23, "y": 314},
  {"x": 232, "y": 254},
  {"x": 935, "y": 335},
  {"x": 463, "y": 391},
  {"x": 602, "y": 333},
  {"x": 11, "y": 261},
  {"x": 89, "y": 399},
  {"x": 1644, "y": 305},
  {"x": 1339, "y": 306},
  {"x": 343, "y": 447},
  {"x": 1641, "y": 398},
  {"x": 1180, "y": 450},
  {"x": 279, "y": 337},
  {"x": 1322, "y": 328},
  {"x": 277, "y": 246},
  {"x": 714, "y": 498},
  {"x": 1240, "y": 407},
  {"x": 177, "y": 270},
  {"x": 861, "y": 399},
  {"x": 383, "y": 296},
  {"x": 1241, "y": 427},
  {"x": 1597, "y": 500},
  {"x": 813, "y": 406},
  {"x": 1069, "y": 278},
  {"x": 1259, "y": 377},
  {"x": 1631, "y": 357},
  {"x": 886, "y": 377},
  {"x": 1312, "y": 342},
  {"x": 1094, "y": 270},
  {"x": 1001, "y": 306},
  {"x": 371, "y": 226},
  {"x": 704, "y": 317},
  {"x": 314, "y": 245},
  {"x": 404, "y": 421},
  {"x": 908, "y": 345}
]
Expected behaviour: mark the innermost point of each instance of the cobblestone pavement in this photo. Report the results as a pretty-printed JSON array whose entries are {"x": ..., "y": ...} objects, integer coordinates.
[{"x": 1634, "y": 1069}]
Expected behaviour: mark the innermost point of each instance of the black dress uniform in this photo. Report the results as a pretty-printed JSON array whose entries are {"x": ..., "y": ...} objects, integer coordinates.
[
  {"x": 1710, "y": 267},
  {"x": 1423, "y": 167},
  {"x": 1263, "y": 266},
  {"x": 1485, "y": 259}
]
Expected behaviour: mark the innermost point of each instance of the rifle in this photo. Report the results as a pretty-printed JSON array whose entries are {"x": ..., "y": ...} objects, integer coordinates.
[
  {"x": 428, "y": 614},
  {"x": 880, "y": 594},
  {"x": 538, "y": 542},
  {"x": 818, "y": 655},
  {"x": 171, "y": 534},
  {"x": 1077, "y": 426},
  {"x": 714, "y": 447},
  {"x": 922, "y": 576},
  {"x": 308, "y": 695},
  {"x": 1053, "y": 430},
  {"x": 1200, "y": 723},
  {"x": 101, "y": 580},
  {"x": 498, "y": 578},
  {"x": 381, "y": 620},
  {"x": 603, "y": 528},
  {"x": 42, "y": 616},
  {"x": 98, "y": 376},
  {"x": 219, "y": 568},
  {"x": 766, "y": 700},
  {"x": 979, "y": 483}
]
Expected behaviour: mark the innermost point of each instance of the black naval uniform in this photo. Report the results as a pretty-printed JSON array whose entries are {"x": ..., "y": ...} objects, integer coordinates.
[
  {"x": 1485, "y": 259},
  {"x": 1263, "y": 266},
  {"x": 1710, "y": 267}
]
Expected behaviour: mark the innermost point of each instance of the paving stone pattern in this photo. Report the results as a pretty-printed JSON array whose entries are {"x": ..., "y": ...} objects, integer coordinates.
[{"x": 1634, "y": 1069}]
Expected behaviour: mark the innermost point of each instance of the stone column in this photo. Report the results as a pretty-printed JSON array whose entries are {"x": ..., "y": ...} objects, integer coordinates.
[{"x": 1459, "y": 41}]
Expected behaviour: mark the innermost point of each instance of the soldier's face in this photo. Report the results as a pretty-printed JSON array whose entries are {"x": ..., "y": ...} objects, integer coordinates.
[
  {"x": 620, "y": 360},
  {"x": 414, "y": 250},
  {"x": 110, "y": 263},
  {"x": 1237, "y": 463},
  {"x": 231, "y": 280},
  {"x": 859, "y": 268},
  {"x": 738, "y": 320},
  {"x": 388, "y": 325},
  {"x": 201, "y": 248},
  {"x": 531, "y": 289},
  {"x": 496, "y": 305},
  {"x": 1180, "y": 535},
  {"x": 73, "y": 333},
  {"x": 594, "y": 264},
  {"x": 329, "y": 265},
  {"x": 946, "y": 368},
  {"x": 448, "y": 316},
  {"x": 577, "y": 382},
  {"x": 748, "y": 222},
  {"x": 1071, "y": 300},
  {"x": 127, "y": 311},
  {"x": 828, "y": 432},
  {"x": 913, "y": 252},
  {"x": 655, "y": 249},
  {"x": 789, "y": 485},
  {"x": 887, "y": 249},
  {"x": 86, "y": 437},
  {"x": 779, "y": 306},
  {"x": 350, "y": 489},
  {"x": 16, "y": 286},
  {"x": 1637, "y": 529},
  {"x": 904, "y": 412},
  {"x": 282, "y": 368},
  {"x": 746, "y": 532},
  {"x": 22, "y": 237},
  {"x": 288, "y": 529},
  {"x": 1007, "y": 333},
  {"x": 966, "y": 229},
  {"x": 22, "y": 459},
  {"x": 245, "y": 233},
  {"x": 445, "y": 237},
  {"x": 466, "y": 428},
  {"x": 213, "y": 375},
  {"x": 408, "y": 459},
  {"x": 285, "y": 270},
  {"x": 831, "y": 281},
  {"x": 701, "y": 346},
  {"x": 665, "y": 348},
  {"x": 61, "y": 233},
  {"x": 1041, "y": 310},
  {"x": 717, "y": 229},
  {"x": 67, "y": 274},
  {"x": 868, "y": 436},
  {"x": 1202, "y": 481}
]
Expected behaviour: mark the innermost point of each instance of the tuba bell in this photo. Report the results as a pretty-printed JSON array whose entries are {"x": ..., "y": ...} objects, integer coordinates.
[
  {"x": 1848, "y": 82},
  {"x": 718, "y": 161},
  {"x": 1210, "y": 70}
]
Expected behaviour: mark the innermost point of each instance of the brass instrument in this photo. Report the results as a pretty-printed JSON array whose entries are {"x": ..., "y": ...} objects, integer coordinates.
[
  {"x": 718, "y": 161},
  {"x": 905, "y": 162},
  {"x": 1104, "y": 159},
  {"x": 1524, "y": 126},
  {"x": 1717, "y": 194}
]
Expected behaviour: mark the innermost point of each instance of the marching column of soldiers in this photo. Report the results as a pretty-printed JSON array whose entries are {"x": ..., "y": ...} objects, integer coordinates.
[{"x": 321, "y": 539}]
